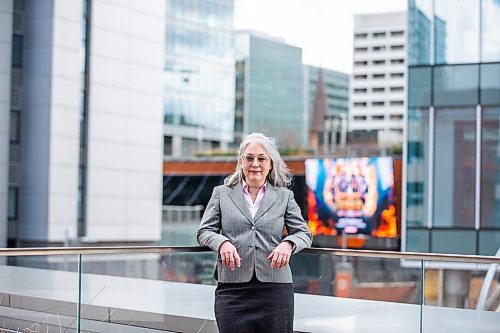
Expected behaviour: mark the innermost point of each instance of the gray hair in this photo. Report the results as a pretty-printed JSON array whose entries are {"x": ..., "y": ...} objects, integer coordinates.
[{"x": 279, "y": 175}]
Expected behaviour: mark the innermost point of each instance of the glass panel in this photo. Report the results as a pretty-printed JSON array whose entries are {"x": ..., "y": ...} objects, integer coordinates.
[
  {"x": 452, "y": 290},
  {"x": 378, "y": 289},
  {"x": 453, "y": 241},
  {"x": 420, "y": 86},
  {"x": 417, "y": 240},
  {"x": 490, "y": 83},
  {"x": 490, "y": 26},
  {"x": 489, "y": 242},
  {"x": 456, "y": 85},
  {"x": 418, "y": 167},
  {"x": 456, "y": 31},
  {"x": 420, "y": 32},
  {"x": 152, "y": 291},
  {"x": 490, "y": 168},
  {"x": 454, "y": 167},
  {"x": 38, "y": 293}
]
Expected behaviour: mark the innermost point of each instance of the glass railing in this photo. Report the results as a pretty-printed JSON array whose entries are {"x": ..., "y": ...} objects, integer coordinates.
[{"x": 171, "y": 289}]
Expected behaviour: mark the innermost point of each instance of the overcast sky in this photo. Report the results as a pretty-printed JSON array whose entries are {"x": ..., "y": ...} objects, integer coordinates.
[{"x": 322, "y": 28}]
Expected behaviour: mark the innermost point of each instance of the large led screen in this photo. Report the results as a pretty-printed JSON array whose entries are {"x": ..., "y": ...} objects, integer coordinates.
[{"x": 351, "y": 195}]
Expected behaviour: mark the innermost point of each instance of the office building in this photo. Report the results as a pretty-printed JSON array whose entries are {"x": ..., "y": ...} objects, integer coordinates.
[
  {"x": 199, "y": 76},
  {"x": 81, "y": 127},
  {"x": 336, "y": 92},
  {"x": 378, "y": 84},
  {"x": 452, "y": 152},
  {"x": 269, "y": 90}
]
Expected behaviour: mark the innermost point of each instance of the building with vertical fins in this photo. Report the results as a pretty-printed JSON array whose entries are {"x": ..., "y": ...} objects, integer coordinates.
[{"x": 81, "y": 121}]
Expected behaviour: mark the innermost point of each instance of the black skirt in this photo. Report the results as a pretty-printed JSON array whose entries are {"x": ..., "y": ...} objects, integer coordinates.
[{"x": 254, "y": 307}]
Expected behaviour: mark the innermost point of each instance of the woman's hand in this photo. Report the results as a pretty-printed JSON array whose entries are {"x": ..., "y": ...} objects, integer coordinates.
[
  {"x": 229, "y": 255},
  {"x": 281, "y": 255}
]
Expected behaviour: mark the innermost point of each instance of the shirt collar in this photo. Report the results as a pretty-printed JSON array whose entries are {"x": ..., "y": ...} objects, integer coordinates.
[{"x": 245, "y": 186}]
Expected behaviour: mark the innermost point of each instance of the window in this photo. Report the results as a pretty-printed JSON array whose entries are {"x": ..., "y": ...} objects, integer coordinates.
[
  {"x": 395, "y": 75},
  {"x": 396, "y": 117},
  {"x": 359, "y": 118},
  {"x": 378, "y": 89},
  {"x": 378, "y": 117},
  {"x": 359, "y": 90},
  {"x": 397, "y": 47},
  {"x": 396, "y": 103},
  {"x": 361, "y": 76},
  {"x": 397, "y": 33},
  {"x": 360, "y": 36},
  {"x": 378, "y": 48},
  {"x": 378, "y": 34},
  {"x": 395, "y": 89},
  {"x": 360, "y": 49},
  {"x": 378, "y": 76},
  {"x": 378, "y": 103},
  {"x": 360, "y": 104},
  {"x": 397, "y": 61},
  {"x": 378, "y": 62},
  {"x": 12, "y": 205},
  {"x": 360, "y": 63}
]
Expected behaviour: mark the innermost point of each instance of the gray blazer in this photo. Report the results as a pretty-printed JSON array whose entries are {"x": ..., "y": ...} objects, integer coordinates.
[{"x": 227, "y": 217}]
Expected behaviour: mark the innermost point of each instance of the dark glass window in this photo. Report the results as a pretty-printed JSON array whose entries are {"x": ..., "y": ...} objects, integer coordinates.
[
  {"x": 456, "y": 85},
  {"x": 419, "y": 82},
  {"x": 454, "y": 167},
  {"x": 490, "y": 168},
  {"x": 490, "y": 83}
]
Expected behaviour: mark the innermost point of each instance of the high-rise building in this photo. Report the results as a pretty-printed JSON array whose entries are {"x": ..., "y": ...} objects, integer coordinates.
[
  {"x": 378, "y": 84},
  {"x": 269, "y": 90},
  {"x": 199, "y": 76},
  {"x": 452, "y": 151},
  {"x": 81, "y": 120},
  {"x": 336, "y": 91}
]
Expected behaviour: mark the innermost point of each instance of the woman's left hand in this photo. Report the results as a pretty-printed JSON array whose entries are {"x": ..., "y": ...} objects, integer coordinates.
[{"x": 281, "y": 255}]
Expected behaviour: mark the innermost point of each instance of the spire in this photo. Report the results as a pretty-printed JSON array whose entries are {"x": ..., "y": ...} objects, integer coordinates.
[{"x": 319, "y": 112}]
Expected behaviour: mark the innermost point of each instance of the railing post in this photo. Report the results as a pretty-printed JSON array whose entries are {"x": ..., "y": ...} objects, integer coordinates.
[{"x": 79, "y": 304}]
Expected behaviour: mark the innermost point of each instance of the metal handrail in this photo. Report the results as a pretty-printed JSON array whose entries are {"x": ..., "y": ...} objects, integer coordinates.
[{"x": 43, "y": 251}]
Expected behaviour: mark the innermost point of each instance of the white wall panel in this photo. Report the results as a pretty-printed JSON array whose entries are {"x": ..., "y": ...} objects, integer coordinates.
[{"x": 126, "y": 80}]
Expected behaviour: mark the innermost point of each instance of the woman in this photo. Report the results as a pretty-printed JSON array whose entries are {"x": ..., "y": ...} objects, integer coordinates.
[{"x": 244, "y": 223}]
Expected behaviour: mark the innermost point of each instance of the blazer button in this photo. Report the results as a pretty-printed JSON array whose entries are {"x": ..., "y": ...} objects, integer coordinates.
[{"x": 253, "y": 227}]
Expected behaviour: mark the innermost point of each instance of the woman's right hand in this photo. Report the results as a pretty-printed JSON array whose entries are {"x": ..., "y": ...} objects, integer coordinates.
[{"x": 229, "y": 255}]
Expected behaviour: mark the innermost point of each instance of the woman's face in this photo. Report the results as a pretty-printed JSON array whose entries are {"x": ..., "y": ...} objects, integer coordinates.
[{"x": 256, "y": 164}]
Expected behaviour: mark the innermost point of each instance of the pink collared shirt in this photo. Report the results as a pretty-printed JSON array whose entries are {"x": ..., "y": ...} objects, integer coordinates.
[{"x": 254, "y": 206}]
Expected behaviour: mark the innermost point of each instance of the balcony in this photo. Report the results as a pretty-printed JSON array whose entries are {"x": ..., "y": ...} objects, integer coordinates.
[{"x": 170, "y": 289}]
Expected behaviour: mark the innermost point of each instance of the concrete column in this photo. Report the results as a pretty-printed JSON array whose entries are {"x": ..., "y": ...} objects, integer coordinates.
[{"x": 456, "y": 287}]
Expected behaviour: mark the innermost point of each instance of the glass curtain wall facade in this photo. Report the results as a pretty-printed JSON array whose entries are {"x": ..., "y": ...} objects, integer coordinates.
[
  {"x": 270, "y": 89},
  {"x": 453, "y": 150},
  {"x": 199, "y": 74}
]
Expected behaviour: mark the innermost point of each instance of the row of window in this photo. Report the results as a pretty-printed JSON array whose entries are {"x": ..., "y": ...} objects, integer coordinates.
[
  {"x": 378, "y": 90},
  {"x": 378, "y": 103},
  {"x": 379, "y": 62},
  {"x": 378, "y": 76},
  {"x": 378, "y": 117},
  {"x": 331, "y": 85},
  {"x": 379, "y": 34},
  {"x": 339, "y": 98},
  {"x": 378, "y": 48}
]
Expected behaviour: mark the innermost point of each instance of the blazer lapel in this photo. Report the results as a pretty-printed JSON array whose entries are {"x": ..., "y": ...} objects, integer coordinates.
[
  {"x": 238, "y": 198},
  {"x": 269, "y": 199}
]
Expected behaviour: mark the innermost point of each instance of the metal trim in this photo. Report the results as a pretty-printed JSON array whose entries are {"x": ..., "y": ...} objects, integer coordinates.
[{"x": 43, "y": 251}]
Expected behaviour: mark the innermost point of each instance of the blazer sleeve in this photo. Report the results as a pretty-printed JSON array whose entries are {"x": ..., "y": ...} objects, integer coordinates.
[
  {"x": 298, "y": 232},
  {"x": 210, "y": 225}
]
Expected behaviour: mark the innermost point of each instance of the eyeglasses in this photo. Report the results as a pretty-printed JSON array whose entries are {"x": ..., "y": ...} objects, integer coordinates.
[{"x": 261, "y": 159}]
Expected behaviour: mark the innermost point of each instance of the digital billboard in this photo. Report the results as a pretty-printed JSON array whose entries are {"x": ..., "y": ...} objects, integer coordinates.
[{"x": 351, "y": 195}]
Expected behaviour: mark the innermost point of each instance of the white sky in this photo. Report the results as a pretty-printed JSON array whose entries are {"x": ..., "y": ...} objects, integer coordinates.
[{"x": 322, "y": 28}]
